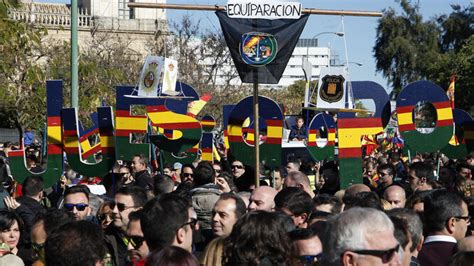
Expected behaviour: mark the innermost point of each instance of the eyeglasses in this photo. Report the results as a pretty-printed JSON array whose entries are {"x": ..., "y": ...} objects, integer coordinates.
[
  {"x": 237, "y": 166},
  {"x": 385, "y": 255},
  {"x": 70, "y": 207},
  {"x": 187, "y": 175},
  {"x": 467, "y": 219},
  {"x": 310, "y": 259},
  {"x": 136, "y": 241},
  {"x": 122, "y": 207},
  {"x": 192, "y": 223},
  {"x": 217, "y": 170}
]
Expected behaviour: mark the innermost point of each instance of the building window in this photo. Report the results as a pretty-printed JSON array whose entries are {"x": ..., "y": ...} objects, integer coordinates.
[{"x": 124, "y": 12}]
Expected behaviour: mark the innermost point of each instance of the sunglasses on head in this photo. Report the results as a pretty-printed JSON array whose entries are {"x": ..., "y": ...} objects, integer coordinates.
[
  {"x": 136, "y": 241},
  {"x": 237, "y": 166},
  {"x": 70, "y": 207},
  {"x": 385, "y": 255}
]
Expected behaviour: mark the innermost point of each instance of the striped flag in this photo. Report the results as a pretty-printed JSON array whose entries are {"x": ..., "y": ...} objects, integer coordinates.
[{"x": 450, "y": 91}]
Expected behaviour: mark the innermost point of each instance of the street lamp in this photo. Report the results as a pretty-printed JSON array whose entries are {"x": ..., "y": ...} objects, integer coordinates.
[
  {"x": 351, "y": 62},
  {"x": 340, "y": 34},
  {"x": 308, "y": 67}
]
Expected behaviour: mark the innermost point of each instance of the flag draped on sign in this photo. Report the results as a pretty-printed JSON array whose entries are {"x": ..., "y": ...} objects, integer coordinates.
[{"x": 261, "y": 48}]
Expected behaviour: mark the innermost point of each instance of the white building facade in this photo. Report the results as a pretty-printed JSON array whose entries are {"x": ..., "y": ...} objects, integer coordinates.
[
  {"x": 317, "y": 56},
  {"x": 115, "y": 18}
]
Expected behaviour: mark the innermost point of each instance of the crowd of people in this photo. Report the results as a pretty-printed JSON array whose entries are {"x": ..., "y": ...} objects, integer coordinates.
[{"x": 407, "y": 211}]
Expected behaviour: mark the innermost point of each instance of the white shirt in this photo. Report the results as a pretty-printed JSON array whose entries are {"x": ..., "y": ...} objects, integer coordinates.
[{"x": 440, "y": 238}]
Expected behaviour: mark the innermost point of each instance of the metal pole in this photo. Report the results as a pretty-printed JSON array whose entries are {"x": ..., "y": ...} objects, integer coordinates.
[
  {"x": 350, "y": 95},
  {"x": 312, "y": 11},
  {"x": 74, "y": 52},
  {"x": 256, "y": 136}
]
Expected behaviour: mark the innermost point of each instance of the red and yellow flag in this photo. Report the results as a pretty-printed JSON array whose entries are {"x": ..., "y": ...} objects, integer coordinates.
[{"x": 450, "y": 91}]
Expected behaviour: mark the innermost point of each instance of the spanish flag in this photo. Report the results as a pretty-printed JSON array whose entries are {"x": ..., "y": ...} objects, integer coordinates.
[
  {"x": 195, "y": 107},
  {"x": 450, "y": 91},
  {"x": 369, "y": 142}
]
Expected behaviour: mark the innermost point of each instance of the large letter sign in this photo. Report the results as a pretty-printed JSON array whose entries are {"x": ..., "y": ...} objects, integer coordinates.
[
  {"x": 72, "y": 142},
  {"x": 172, "y": 126},
  {"x": 271, "y": 148},
  {"x": 424, "y": 92},
  {"x": 326, "y": 121},
  {"x": 351, "y": 129},
  {"x": 54, "y": 168}
]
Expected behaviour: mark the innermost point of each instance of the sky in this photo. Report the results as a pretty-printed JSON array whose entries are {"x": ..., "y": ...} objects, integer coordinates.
[{"x": 360, "y": 32}]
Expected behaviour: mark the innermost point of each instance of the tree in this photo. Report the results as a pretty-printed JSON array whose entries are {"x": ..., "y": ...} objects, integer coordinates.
[
  {"x": 456, "y": 28},
  {"x": 408, "y": 49},
  {"x": 404, "y": 44},
  {"x": 21, "y": 75},
  {"x": 461, "y": 64}
]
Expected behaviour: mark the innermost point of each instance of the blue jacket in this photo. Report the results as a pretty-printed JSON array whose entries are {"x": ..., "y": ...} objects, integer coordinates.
[{"x": 299, "y": 133}]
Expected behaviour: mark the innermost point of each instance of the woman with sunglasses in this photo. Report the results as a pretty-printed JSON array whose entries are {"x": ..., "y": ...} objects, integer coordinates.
[
  {"x": 105, "y": 214},
  {"x": 11, "y": 227},
  {"x": 126, "y": 178}
]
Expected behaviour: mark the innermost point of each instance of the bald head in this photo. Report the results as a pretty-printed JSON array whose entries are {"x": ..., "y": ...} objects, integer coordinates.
[
  {"x": 262, "y": 199},
  {"x": 356, "y": 188},
  {"x": 466, "y": 244},
  {"x": 396, "y": 196},
  {"x": 299, "y": 179},
  {"x": 296, "y": 179}
]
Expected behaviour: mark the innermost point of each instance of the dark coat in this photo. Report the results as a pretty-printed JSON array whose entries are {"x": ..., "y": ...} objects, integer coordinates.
[
  {"x": 144, "y": 180},
  {"x": 437, "y": 253}
]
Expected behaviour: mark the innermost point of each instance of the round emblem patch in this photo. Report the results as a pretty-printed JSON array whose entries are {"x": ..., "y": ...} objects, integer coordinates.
[
  {"x": 150, "y": 79},
  {"x": 258, "y": 49}
]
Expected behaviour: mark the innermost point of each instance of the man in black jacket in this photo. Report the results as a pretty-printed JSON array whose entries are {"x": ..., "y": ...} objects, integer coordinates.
[
  {"x": 127, "y": 200},
  {"x": 32, "y": 191},
  {"x": 142, "y": 176}
]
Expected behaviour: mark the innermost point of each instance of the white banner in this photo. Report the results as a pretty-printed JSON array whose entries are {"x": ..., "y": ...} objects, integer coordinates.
[
  {"x": 332, "y": 88},
  {"x": 264, "y": 9},
  {"x": 150, "y": 76},
  {"x": 170, "y": 77}
]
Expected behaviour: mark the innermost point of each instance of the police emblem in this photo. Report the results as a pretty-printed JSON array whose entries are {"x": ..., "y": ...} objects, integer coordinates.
[
  {"x": 257, "y": 48},
  {"x": 332, "y": 89}
]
